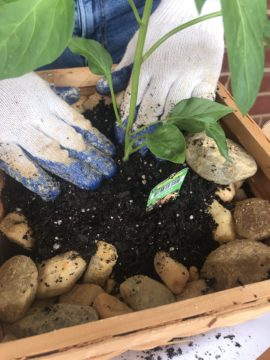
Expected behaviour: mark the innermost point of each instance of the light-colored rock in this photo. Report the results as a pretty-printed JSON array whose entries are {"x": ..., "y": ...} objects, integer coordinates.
[
  {"x": 227, "y": 193},
  {"x": 252, "y": 219},
  {"x": 94, "y": 100},
  {"x": 18, "y": 284},
  {"x": 108, "y": 306},
  {"x": 141, "y": 292},
  {"x": 15, "y": 227},
  {"x": 237, "y": 262},
  {"x": 41, "y": 320},
  {"x": 81, "y": 294},
  {"x": 194, "y": 289},
  {"x": 59, "y": 274},
  {"x": 193, "y": 273},
  {"x": 203, "y": 156},
  {"x": 171, "y": 272},
  {"x": 225, "y": 230},
  {"x": 238, "y": 184},
  {"x": 101, "y": 264}
]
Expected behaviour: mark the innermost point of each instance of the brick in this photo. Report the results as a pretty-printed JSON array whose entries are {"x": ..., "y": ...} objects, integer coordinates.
[
  {"x": 224, "y": 79},
  {"x": 267, "y": 57},
  {"x": 262, "y": 105},
  {"x": 225, "y": 65},
  {"x": 265, "y": 86}
]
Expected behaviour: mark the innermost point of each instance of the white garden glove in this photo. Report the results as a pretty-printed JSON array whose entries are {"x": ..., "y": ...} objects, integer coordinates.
[
  {"x": 186, "y": 65},
  {"x": 39, "y": 130}
]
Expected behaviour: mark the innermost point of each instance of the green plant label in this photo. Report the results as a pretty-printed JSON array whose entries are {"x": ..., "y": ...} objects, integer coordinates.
[{"x": 167, "y": 190}]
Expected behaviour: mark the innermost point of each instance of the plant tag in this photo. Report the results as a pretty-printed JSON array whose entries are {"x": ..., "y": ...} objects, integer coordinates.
[{"x": 167, "y": 190}]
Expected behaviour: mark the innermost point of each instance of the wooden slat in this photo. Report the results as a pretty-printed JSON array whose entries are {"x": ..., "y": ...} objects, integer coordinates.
[
  {"x": 265, "y": 355},
  {"x": 77, "y": 77},
  {"x": 145, "y": 328},
  {"x": 247, "y": 132}
]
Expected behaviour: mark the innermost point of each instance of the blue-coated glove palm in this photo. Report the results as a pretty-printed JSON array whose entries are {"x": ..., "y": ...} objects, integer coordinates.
[{"x": 40, "y": 133}]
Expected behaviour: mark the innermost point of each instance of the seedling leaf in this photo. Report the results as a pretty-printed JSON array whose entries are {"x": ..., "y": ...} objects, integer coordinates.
[
  {"x": 99, "y": 59},
  {"x": 201, "y": 109},
  {"x": 33, "y": 33},
  {"x": 196, "y": 115},
  {"x": 168, "y": 143},
  {"x": 199, "y": 4},
  {"x": 244, "y": 22},
  {"x": 216, "y": 132}
]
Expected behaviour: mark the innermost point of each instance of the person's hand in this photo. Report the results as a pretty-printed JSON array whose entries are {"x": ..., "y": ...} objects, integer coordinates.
[
  {"x": 187, "y": 65},
  {"x": 39, "y": 131}
]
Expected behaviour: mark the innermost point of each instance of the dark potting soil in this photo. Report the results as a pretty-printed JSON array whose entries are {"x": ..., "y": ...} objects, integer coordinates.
[{"x": 116, "y": 213}]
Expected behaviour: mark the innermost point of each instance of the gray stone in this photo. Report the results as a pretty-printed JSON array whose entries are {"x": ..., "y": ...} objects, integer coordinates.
[
  {"x": 41, "y": 320},
  {"x": 18, "y": 284},
  {"x": 203, "y": 156},
  {"x": 237, "y": 262},
  {"x": 141, "y": 292},
  {"x": 252, "y": 219}
]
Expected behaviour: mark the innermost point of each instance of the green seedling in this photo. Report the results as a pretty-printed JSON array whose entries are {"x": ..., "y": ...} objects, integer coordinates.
[
  {"x": 35, "y": 32},
  {"x": 195, "y": 115}
]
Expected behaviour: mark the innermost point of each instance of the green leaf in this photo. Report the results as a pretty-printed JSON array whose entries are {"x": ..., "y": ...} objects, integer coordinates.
[
  {"x": 168, "y": 143},
  {"x": 196, "y": 115},
  {"x": 216, "y": 132},
  {"x": 244, "y": 22},
  {"x": 191, "y": 125},
  {"x": 99, "y": 60},
  {"x": 33, "y": 33},
  {"x": 267, "y": 33},
  {"x": 199, "y": 4},
  {"x": 200, "y": 108}
]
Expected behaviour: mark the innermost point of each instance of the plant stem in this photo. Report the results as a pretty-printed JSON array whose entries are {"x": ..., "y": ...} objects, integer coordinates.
[
  {"x": 179, "y": 28},
  {"x": 146, "y": 126},
  {"x": 135, "y": 11},
  {"x": 132, "y": 149},
  {"x": 136, "y": 71},
  {"x": 115, "y": 108}
]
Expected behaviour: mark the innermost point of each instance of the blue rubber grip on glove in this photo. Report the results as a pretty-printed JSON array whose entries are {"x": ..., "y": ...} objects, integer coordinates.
[
  {"x": 42, "y": 184},
  {"x": 69, "y": 94},
  {"x": 120, "y": 81}
]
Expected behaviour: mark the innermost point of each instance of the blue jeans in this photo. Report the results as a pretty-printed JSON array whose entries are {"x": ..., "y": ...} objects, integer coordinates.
[{"x": 111, "y": 22}]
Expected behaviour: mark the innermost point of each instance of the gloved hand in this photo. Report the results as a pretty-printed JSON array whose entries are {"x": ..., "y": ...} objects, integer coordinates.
[
  {"x": 186, "y": 65},
  {"x": 40, "y": 131}
]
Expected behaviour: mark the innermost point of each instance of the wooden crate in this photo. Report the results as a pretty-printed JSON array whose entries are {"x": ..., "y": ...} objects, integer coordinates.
[{"x": 167, "y": 324}]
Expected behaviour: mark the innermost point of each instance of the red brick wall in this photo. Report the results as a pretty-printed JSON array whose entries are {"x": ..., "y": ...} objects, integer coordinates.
[{"x": 261, "y": 109}]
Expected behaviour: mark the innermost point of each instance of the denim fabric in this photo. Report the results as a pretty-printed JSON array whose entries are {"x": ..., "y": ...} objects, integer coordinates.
[{"x": 110, "y": 22}]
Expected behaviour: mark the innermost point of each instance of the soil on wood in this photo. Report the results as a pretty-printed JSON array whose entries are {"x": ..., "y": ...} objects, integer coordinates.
[{"x": 116, "y": 213}]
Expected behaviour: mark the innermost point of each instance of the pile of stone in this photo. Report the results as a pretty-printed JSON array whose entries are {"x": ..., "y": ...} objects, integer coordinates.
[{"x": 64, "y": 290}]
